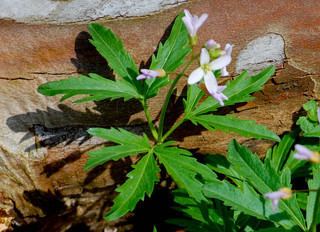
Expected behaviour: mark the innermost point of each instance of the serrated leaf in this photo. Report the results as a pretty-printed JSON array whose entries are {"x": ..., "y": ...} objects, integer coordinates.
[
  {"x": 311, "y": 108},
  {"x": 246, "y": 128},
  {"x": 170, "y": 56},
  {"x": 221, "y": 165},
  {"x": 202, "y": 214},
  {"x": 103, "y": 155},
  {"x": 120, "y": 136},
  {"x": 264, "y": 179},
  {"x": 172, "y": 53},
  {"x": 312, "y": 212},
  {"x": 246, "y": 201},
  {"x": 140, "y": 182},
  {"x": 184, "y": 170},
  {"x": 129, "y": 144},
  {"x": 315, "y": 132},
  {"x": 97, "y": 87},
  {"x": 281, "y": 151},
  {"x": 238, "y": 90},
  {"x": 112, "y": 49},
  {"x": 194, "y": 95}
]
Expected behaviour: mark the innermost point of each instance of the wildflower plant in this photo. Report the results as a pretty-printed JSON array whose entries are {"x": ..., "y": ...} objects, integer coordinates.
[
  {"x": 155, "y": 148},
  {"x": 279, "y": 193}
]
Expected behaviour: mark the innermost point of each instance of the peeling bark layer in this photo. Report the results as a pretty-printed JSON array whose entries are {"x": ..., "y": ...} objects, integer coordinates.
[{"x": 43, "y": 143}]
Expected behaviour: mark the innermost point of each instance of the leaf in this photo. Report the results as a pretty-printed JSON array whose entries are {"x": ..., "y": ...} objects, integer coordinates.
[
  {"x": 194, "y": 95},
  {"x": 302, "y": 201},
  {"x": 170, "y": 56},
  {"x": 281, "y": 151},
  {"x": 97, "y": 87},
  {"x": 184, "y": 170},
  {"x": 120, "y": 136},
  {"x": 221, "y": 165},
  {"x": 246, "y": 128},
  {"x": 263, "y": 178},
  {"x": 312, "y": 212},
  {"x": 140, "y": 182},
  {"x": 130, "y": 144},
  {"x": 311, "y": 108},
  {"x": 246, "y": 201},
  {"x": 238, "y": 90},
  {"x": 202, "y": 214},
  {"x": 112, "y": 49}
]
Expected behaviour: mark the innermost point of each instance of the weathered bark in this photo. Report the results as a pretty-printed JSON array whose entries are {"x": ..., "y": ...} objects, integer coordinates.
[{"x": 43, "y": 142}]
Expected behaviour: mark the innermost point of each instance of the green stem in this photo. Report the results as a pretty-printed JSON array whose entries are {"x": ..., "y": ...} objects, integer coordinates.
[
  {"x": 169, "y": 94},
  {"x": 316, "y": 213},
  {"x": 149, "y": 119},
  {"x": 172, "y": 129}
]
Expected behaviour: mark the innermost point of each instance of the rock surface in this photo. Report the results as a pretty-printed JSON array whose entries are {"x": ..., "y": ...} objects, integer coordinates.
[{"x": 43, "y": 143}]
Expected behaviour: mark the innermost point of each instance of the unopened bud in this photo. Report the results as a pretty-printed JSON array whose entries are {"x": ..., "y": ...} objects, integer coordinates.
[{"x": 161, "y": 72}]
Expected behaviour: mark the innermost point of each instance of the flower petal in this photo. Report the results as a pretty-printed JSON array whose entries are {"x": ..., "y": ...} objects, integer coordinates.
[
  {"x": 228, "y": 49},
  {"x": 187, "y": 14},
  {"x": 221, "y": 62},
  {"x": 189, "y": 26},
  {"x": 204, "y": 56},
  {"x": 318, "y": 114},
  {"x": 224, "y": 72},
  {"x": 201, "y": 20},
  {"x": 221, "y": 88},
  {"x": 303, "y": 151},
  {"x": 149, "y": 73},
  {"x": 210, "y": 82},
  {"x": 195, "y": 76},
  {"x": 141, "y": 77}
]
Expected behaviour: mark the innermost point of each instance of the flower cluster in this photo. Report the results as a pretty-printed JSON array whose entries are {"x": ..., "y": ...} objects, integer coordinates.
[
  {"x": 212, "y": 59},
  {"x": 207, "y": 69}
]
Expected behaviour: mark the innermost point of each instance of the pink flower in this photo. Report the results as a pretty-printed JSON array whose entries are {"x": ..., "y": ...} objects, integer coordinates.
[
  {"x": 283, "y": 193},
  {"x": 149, "y": 74},
  {"x": 318, "y": 114},
  {"x": 212, "y": 44},
  {"x": 193, "y": 22},
  {"x": 303, "y": 153}
]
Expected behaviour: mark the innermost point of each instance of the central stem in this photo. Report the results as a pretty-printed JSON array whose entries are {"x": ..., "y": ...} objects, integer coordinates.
[
  {"x": 149, "y": 119},
  {"x": 167, "y": 100}
]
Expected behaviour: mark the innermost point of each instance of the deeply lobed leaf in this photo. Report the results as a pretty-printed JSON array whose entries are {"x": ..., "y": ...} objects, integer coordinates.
[
  {"x": 169, "y": 56},
  {"x": 238, "y": 90},
  {"x": 184, "y": 170},
  {"x": 245, "y": 200},
  {"x": 140, "y": 182},
  {"x": 129, "y": 144},
  {"x": 112, "y": 49},
  {"x": 263, "y": 177},
  {"x": 246, "y": 128},
  {"x": 312, "y": 213},
  {"x": 97, "y": 87}
]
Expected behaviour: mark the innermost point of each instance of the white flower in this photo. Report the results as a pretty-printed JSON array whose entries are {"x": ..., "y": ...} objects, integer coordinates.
[
  {"x": 205, "y": 71},
  {"x": 193, "y": 22}
]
